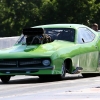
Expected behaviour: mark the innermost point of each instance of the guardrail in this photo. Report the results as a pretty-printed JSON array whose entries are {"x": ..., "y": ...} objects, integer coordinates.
[{"x": 7, "y": 42}]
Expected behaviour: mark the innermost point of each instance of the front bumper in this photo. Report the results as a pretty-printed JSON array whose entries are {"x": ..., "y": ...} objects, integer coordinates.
[{"x": 27, "y": 71}]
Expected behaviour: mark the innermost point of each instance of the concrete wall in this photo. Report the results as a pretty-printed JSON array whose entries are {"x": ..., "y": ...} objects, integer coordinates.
[{"x": 8, "y": 41}]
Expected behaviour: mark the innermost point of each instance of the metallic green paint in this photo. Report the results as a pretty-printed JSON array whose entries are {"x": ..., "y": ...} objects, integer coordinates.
[{"x": 82, "y": 55}]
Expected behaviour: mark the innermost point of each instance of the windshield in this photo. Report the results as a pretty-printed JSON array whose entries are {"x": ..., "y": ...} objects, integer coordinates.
[
  {"x": 66, "y": 34},
  {"x": 21, "y": 40}
]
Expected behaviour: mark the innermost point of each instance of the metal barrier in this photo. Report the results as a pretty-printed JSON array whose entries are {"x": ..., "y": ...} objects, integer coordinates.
[{"x": 7, "y": 42}]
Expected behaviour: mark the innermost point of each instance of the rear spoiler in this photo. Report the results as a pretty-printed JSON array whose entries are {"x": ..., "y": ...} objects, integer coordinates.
[{"x": 33, "y": 31}]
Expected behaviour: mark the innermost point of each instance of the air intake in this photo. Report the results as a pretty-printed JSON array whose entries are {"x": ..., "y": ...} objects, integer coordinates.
[{"x": 33, "y": 31}]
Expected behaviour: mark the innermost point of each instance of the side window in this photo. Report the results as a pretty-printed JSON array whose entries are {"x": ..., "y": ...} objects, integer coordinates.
[{"x": 85, "y": 35}]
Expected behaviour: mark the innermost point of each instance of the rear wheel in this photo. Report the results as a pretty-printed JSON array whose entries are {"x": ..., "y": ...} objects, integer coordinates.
[
  {"x": 5, "y": 79},
  {"x": 90, "y": 75}
]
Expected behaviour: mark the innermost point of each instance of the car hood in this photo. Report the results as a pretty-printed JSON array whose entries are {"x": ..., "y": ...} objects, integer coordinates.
[{"x": 27, "y": 51}]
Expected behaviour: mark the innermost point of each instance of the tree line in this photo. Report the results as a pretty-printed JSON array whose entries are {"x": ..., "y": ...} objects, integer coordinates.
[{"x": 16, "y": 14}]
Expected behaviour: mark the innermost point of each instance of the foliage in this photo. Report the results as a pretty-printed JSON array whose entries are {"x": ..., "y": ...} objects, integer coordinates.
[{"x": 16, "y": 15}]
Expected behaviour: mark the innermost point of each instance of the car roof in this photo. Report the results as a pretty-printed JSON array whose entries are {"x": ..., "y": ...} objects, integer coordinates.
[{"x": 60, "y": 26}]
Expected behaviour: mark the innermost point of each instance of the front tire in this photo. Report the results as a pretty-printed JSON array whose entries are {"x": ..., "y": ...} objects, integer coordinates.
[
  {"x": 5, "y": 79},
  {"x": 55, "y": 77},
  {"x": 63, "y": 73}
]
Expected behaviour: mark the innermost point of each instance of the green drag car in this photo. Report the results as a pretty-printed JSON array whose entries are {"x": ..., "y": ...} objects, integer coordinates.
[{"x": 52, "y": 50}]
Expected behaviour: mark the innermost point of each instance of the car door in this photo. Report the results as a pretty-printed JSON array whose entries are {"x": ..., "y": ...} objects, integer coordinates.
[
  {"x": 87, "y": 42},
  {"x": 98, "y": 43}
]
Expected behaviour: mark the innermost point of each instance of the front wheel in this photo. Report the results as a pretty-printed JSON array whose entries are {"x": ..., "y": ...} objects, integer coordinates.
[
  {"x": 63, "y": 72},
  {"x": 5, "y": 79},
  {"x": 55, "y": 77}
]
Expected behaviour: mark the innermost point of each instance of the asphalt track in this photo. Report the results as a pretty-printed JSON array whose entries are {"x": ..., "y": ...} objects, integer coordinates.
[{"x": 31, "y": 88}]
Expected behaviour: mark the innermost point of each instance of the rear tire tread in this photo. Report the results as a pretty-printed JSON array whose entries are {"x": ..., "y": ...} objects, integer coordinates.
[{"x": 5, "y": 79}]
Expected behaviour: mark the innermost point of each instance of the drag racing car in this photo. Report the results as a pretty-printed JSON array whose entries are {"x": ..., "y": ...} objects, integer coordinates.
[{"x": 51, "y": 51}]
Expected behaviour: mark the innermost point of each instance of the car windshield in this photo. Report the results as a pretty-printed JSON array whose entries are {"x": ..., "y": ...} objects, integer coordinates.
[{"x": 66, "y": 34}]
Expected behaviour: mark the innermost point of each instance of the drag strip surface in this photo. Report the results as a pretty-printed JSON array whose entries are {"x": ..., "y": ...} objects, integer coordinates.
[{"x": 29, "y": 88}]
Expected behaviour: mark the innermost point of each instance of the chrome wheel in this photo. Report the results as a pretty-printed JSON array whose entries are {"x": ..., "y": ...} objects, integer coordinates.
[{"x": 63, "y": 71}]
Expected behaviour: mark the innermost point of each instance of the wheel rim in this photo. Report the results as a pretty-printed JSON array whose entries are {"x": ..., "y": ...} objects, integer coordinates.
[{"x": 63, "y": 70}]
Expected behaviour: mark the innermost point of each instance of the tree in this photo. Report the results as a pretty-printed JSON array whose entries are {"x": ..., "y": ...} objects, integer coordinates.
[
  {"x": 68, "y": 11},
  {"x": 77, "y": 12},
  {"x": 17, "y": 15},
  {"x": 48, "y": 12},
  {"x": 96, "y": 17}
]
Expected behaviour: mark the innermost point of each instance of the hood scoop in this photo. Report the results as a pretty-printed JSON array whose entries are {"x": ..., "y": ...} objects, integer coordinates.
[
  {"x": 22, "y": 48},
  {"x": 29, "y": 48}
]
